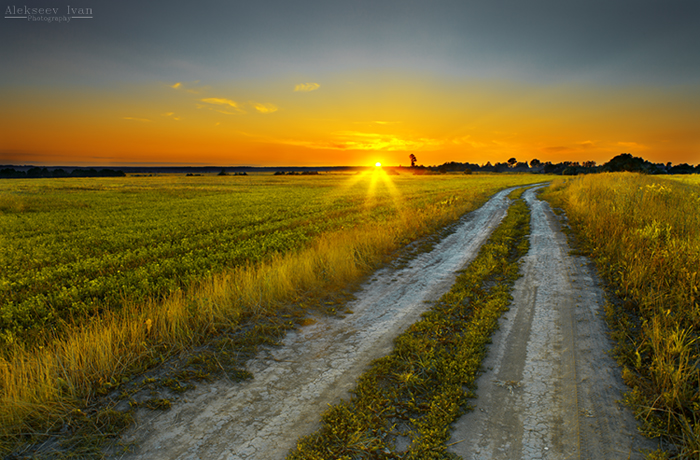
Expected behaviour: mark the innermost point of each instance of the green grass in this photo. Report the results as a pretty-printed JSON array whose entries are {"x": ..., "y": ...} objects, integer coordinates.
[
  {"x": 74, "y": 248},
  {"x": 417, "y": 391}
]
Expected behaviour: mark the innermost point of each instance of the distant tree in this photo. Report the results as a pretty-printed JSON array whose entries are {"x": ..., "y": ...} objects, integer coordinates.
[
  {"x": 110, "y": 173},
  {"x": 413, "y": 159},
  {"x": 589, "y": 164},
  {"x": 535, "y": 163},
  {"x": 38, "y": 172},
  {"x": 222, "y": 173},
  {"x": 550, "y": 168},
  {"x": 683, "y": 168},
  {"x": 10, "y": 172},
  {"x": 512, "y": 162},
  {"x": 624, "y": 162}
]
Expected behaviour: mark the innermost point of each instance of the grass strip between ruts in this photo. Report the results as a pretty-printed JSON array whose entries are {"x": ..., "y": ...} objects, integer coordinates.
[{"x": 410, "y": 397}]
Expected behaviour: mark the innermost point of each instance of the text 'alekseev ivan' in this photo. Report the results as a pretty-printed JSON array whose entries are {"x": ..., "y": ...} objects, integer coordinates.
[{"x": 52, "y": 14}]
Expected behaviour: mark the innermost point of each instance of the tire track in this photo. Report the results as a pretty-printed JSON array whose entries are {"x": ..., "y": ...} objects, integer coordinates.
[
  {"x": 316, "y": 365},
  {"x": 550, "y": 390}
]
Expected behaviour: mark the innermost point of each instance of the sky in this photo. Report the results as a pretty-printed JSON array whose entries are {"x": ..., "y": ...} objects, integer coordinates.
[{"x": 330, "y": 83}]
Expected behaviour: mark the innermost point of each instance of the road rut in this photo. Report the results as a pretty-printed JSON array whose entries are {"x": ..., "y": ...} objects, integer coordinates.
[{"x": 550, "y": 390}]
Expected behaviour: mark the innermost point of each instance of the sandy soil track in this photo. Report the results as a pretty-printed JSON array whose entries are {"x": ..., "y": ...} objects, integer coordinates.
[
  {"x": 316, "y": 365},
  {"x": 550, "y": 391}
]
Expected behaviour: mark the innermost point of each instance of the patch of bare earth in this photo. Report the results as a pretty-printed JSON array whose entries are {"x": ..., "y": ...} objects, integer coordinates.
[
  {"x": 550, "y": 390},
  {"x": 316, "y": 365}
]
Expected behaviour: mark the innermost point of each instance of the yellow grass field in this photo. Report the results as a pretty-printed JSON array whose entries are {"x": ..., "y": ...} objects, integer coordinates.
[{"x": 644, "y": 234}]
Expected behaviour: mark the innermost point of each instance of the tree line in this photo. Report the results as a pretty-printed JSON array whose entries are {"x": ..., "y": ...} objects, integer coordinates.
[
  {"x": 37, "y": 173},
  {"x": 621, "y": 162}
]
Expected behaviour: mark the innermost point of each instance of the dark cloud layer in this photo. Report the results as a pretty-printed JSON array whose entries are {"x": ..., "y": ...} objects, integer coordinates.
[{"x": 607, "y": 42}]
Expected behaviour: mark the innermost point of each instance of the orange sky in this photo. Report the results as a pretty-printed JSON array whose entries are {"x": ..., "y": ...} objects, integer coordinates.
[
  {"x": 350, "y": 118},
  {"x": 311, "y": 83}
]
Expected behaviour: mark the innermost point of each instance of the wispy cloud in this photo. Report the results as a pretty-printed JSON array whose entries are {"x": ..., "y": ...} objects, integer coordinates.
[
  {"x": 137, "y": 119},
  {"x": 190, "y": 87},
  {"x": 223, "y": 101},
  {"x": 306, "y": 87},
  {"x": 170, "y": 115},
  {"x": 220, "y": 101},
  {"x": 264, "y": 108}
]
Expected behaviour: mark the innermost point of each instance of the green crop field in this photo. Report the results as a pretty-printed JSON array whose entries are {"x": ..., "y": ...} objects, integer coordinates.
[
  {"x": 99, "y": 275},
  {"x": 72, "y": 247}
]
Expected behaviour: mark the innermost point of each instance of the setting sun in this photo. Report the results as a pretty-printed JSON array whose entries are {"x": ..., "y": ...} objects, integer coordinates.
[{"x": 378, "y": 164}]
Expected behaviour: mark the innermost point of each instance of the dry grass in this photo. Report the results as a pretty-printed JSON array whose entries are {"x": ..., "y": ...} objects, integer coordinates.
[{"x": 644, "y": 233}]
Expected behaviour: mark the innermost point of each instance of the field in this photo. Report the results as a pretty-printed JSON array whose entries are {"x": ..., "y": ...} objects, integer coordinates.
[
  {"x": 102, "y": 278},
  {"x": 644, "y": 234}
]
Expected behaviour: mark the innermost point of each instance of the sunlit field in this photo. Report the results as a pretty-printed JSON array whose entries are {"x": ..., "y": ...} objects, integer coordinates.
[
  {"x": 99, "y": 276},
  {"x": 644, "y": 234}
]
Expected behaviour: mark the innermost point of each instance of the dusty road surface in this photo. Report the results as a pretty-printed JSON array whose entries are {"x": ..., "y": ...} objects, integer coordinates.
[
  {"x": 549, "y": 390},
  {"x": 262, "y": 418}
]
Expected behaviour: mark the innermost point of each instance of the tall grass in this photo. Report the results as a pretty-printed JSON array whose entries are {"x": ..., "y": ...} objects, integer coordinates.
[
  {"x": 41, "y": 386},
  {"x": 644, "y": 234},
  {"x": 53, "y": 378}
]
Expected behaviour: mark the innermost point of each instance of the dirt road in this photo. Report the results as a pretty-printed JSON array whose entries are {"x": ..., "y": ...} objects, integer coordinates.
[
  {"x": 549, "y": 390},
  {"x": 316, "y": 366}
]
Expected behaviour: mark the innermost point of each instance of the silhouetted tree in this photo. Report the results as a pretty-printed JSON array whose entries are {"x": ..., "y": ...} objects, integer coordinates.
[
  {"x": 413, "y": 159},
  {"x": 683, "y": 168},
  {"x": 624, "y": 162},
  {"x": 512, "y": 162}
]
